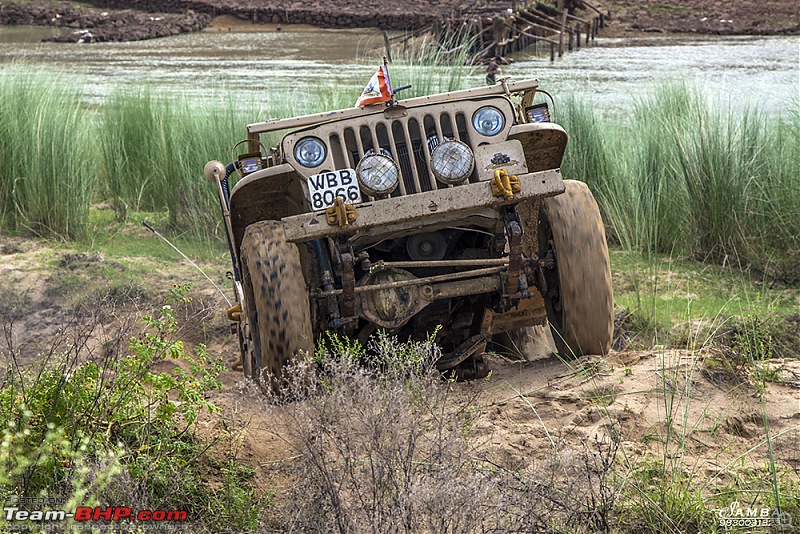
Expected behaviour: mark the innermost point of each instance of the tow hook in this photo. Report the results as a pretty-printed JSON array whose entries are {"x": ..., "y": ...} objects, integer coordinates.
[
  {"x": 340, "y": 213},
  {"x": 504, "y": 185},
  {"x": 235, "y": 314}
]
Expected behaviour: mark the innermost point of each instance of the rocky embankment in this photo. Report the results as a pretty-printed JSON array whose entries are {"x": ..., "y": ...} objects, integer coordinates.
[
  {"x": 101, "y": 25},
  {"x": 118, "y": 20},
  {"x": 709, "y": 17}
]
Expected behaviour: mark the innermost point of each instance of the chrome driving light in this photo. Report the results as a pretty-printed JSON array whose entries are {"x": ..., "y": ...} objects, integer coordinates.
[
  {"x": 488, "y": 121},
  {"x": 310, "y": 152},
  {"x": 452, "y": 162},
  {"x": 378, "y": 175}
]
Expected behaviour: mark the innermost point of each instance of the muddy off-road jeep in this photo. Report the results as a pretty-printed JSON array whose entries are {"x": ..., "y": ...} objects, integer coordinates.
[{"x": 442, "y": 210}]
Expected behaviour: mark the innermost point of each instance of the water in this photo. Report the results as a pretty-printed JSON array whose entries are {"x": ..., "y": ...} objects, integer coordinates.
[
  {"x": 756, "y": 71},
  {"x": 198, "y": 63}
]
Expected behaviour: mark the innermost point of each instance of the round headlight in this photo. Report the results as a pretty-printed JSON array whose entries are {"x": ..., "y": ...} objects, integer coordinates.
[
  {"x": 310, "y": 152},
  {"x": 452, "y": 162},
  {"x": 377, "y": 175},
  {"x": 488, "y": 121}
]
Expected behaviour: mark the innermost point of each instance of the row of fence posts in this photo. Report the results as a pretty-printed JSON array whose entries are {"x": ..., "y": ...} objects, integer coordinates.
[
  {"x": 558, "y": 30},
  {"x": 500, "y": 38}
]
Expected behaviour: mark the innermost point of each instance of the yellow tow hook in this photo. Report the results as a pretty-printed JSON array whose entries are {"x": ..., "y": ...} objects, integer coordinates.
[
  {"x": 505, "y": 185},
  {"x": 340, "y": 213},
  {"x": 235, "y": 313}
]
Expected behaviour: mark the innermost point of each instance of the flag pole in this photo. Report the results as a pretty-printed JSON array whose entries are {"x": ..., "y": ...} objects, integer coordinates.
[{"x": 391, "y": 102}]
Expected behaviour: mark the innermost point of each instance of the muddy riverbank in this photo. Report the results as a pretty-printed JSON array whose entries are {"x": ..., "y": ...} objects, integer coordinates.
[
  {"x": 115, "y": 20},
  {"x": 97, "y": 24}
]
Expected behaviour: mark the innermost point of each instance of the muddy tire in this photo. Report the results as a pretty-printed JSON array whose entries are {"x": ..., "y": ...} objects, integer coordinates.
[
  {"x": 276, "y": 302},
  {"x": 579, "y": 299}
]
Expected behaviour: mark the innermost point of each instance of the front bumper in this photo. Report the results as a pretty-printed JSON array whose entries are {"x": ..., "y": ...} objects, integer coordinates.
[{"x": 405, "y": 212}]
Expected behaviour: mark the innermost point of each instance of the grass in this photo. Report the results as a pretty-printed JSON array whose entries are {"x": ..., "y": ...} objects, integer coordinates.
[
  {"x": 681, "y": 302},
  {"x": 130, "y": 239},
  {"x": 697, "y": 179},
  {"x": 153, "y": 152},
  {"x": 143, "y": 152},
  {"x": 46, "y": 164}
]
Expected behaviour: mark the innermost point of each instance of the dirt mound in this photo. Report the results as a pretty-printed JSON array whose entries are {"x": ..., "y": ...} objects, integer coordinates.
[
  {"x": 652, "y": 404},
  {"x": 732, "y": 17}
]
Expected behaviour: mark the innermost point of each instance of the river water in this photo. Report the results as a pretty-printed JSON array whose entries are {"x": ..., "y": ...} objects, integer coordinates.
[{"x": 756, "y": 71}]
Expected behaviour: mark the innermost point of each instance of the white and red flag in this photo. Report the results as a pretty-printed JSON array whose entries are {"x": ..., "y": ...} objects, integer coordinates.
[{"x": 377, "y": 90}]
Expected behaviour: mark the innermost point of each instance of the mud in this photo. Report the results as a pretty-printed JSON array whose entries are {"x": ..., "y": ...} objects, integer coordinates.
[
  {"x": 716, "y": 17},
  {"x": 98, "y": 25},
  {"x": 117, "y": 20}
]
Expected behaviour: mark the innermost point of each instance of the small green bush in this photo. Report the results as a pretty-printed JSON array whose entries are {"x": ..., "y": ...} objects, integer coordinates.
[{"x": 118, "y": 430}]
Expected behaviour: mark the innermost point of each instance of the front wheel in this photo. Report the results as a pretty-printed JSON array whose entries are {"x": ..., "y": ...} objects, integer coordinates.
[
  {"x": 276, "y": 303},
  {"x": 579, "y": 299}
]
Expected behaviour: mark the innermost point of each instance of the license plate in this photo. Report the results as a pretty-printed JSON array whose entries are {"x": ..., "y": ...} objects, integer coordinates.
[{"x": 323, "y": 188}]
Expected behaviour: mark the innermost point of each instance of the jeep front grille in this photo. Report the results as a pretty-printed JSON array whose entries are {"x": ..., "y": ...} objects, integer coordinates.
[{"x": 408, "y": 140}]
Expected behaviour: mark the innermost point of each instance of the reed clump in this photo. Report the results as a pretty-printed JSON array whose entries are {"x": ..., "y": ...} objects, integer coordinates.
[
  {"x": 48, "y": 157},
  {"x": 679, "y": 174},
  {"x": 153, "y": 151},
  {"x": 684, "y": 175}
]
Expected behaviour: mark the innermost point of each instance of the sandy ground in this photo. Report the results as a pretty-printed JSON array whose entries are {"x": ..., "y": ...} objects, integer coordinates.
[
  {"x": 529, "y": 409},
  {"x": 524, "y": 410}
]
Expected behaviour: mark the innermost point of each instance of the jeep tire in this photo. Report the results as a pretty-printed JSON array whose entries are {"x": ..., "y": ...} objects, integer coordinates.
[
  {"x": 579, "y": 298},
  {"x": 276, "y": 303}
]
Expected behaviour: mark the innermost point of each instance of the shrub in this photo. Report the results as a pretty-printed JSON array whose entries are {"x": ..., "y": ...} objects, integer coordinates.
[
  {"x": 118, "y": 430},
  {"x": 387, "y": 447}
]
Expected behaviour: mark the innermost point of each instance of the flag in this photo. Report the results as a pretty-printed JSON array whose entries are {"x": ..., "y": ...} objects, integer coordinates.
[{"x": 377, "y": 90}]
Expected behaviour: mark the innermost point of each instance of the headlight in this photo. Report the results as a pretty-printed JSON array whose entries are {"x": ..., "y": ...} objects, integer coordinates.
[
  {"x": 377, "y": 174},
  {"x": 452, "y": 162},
  {"x": 310, "y": 152},
  {"x": 488, "y": 121}
]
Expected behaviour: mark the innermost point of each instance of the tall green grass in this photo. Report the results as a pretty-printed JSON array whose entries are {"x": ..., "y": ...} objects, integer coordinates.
[
  {"x": 431, "y": 67},
  {"x": 678, "y": 175},
  {"x": 153, "y": 151},
  {"x": 684, "y": 175},
  {"x": 48, "y": 156},
  {"x": 144, "y": 152}
]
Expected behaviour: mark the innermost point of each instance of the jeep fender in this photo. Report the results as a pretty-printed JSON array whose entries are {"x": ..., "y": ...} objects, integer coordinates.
[
  {"x": 544, "y": 144},
  {"x": 269, "y": 194}
]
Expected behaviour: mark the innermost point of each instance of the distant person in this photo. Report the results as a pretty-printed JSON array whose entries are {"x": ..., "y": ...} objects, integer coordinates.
[{"x": 491, "y": 72}]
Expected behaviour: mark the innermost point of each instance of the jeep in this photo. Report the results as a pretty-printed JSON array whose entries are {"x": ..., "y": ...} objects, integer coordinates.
[{"x": 445, "y": 213}]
